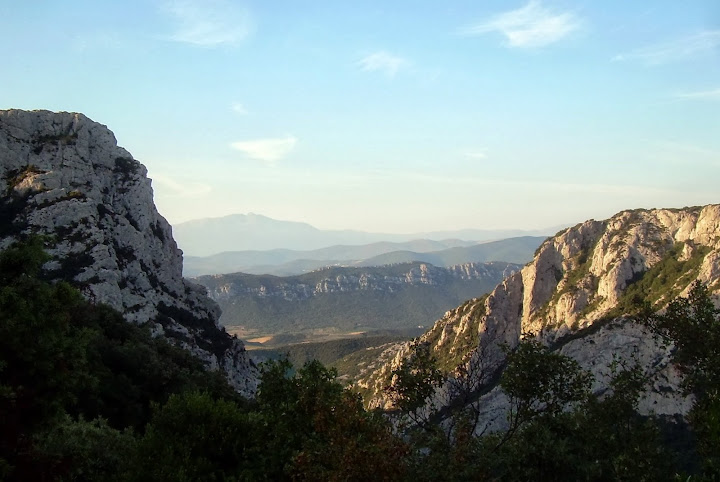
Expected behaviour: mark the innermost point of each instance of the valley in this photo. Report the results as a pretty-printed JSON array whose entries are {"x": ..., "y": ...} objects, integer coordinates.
[
  {"x": 337, "y": 302},
  {"x": 385, "y": 288}
]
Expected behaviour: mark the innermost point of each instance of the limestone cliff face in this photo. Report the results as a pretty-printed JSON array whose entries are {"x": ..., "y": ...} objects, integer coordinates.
[
  {"x": 573, "y": 296},
  {"x": 228, "y": 287},
  {"x": 395, "y": 296},
  {"x": 63, "y": 175},
  {"x": 582, "y": 274}
]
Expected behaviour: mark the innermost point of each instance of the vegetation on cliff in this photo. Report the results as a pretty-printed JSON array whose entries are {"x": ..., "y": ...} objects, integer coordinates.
[
  {"x": 85, "y": 395},
  {"x": 346, "y": 299}
]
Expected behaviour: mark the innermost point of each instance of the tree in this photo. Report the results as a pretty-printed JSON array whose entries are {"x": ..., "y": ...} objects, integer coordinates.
[
  {"x": 559, "y": 430},
  {"x": 197, "y": 437},
  {"x": 316, "y": 430},
  {"x": 43, "y": 363},
  {"x": 479, "y": 368},
  {"x": 538, "y": 381},
  {"x": 692, "y": 325},
  {"x": 74, "y": 375},
  {"x": 86, "y": 450},
  {"x": 414, "y": 383}
]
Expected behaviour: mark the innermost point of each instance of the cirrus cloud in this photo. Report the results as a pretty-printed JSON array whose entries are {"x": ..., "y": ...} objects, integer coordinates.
[
  {"x": 171, "y": 187},
  {"x": 530, "y": 26},
  {"x": 268, "y": 150},
  {"x": 476, "y": 154},
  {"x": 208, "y": 23},
  {"x": 239, "y": 108},
  {"x": 382, "y": 61},
  {"x": 701, "y": 44}
]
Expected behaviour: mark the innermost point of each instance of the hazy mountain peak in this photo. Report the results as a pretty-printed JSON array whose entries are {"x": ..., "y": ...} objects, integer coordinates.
[{"x": 249, "y": 232}]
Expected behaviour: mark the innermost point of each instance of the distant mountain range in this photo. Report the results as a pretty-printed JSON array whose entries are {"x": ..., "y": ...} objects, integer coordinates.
[
  {"x": 246, "y": 232},
  {"x": 285, "y": 262}
]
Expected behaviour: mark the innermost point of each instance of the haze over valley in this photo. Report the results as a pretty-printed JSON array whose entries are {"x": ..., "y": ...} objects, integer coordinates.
[
  {"x": 254, "y": 232},
  {"x": 289, "y": 260},
  {"x": 279, "y": 296}
]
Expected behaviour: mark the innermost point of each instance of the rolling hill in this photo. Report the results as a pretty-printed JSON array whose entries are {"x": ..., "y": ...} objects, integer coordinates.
[{"x": 285, "y": 262}]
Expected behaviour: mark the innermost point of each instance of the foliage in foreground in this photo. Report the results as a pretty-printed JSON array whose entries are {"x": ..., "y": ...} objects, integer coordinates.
[
  {"x": 692, "y": 324},
  {"x": 87, "y": 396},
  {"x": 75, "y": 377},
  {"x": 557, "y": 428}
]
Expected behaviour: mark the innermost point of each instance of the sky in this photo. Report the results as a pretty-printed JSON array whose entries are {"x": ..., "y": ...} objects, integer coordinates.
[{"x": 388, "y": 116}]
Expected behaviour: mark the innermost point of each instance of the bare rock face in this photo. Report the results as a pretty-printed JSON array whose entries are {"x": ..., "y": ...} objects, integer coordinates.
[
  {"x": 575, "y": 296},
  {"x": 229, "y": 287},
  {"x": 63, "y": 175}
]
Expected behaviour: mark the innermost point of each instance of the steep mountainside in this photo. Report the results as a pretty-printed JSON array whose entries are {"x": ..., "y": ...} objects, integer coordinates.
[
  {"x": 64, "y": 176},
  {"x": 578, "y": 296},
  {"x": 396, "y": 296}
]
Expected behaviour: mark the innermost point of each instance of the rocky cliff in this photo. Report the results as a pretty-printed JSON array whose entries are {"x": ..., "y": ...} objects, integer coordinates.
[
  {"x": 578, "y": 296},
  {"x": 398, "y": 296},
  {"x": 64, "y": 176},
  {"x": 344, "y": 280}
]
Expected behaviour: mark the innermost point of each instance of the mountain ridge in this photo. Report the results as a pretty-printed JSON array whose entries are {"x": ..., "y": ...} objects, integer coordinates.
[
  {"x": 283, "y": 262},
  {"x": 516, "y": 250},
  {"x": 398, "y": 296},
  {"x": 251, "y": 261},
  {"x": 576, "y": 296},
  {"x": 209, "y": 236}
]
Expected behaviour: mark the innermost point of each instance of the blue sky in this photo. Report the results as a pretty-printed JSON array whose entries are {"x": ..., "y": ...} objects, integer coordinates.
[{"x": 400, "y": 116}]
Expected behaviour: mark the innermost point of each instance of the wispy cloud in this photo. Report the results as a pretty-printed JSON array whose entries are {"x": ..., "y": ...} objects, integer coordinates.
[
  {"x": 208, "y": 23},
  {"x": 239, "y": 108},
  {"x": 382, "y": 61},
  {"x": 170, "y": 187},
  {"x": 475, "y": 154},
  {"x": 713, "y": 94},
  {"x": 530, "y": 26},
  {"x": 268, "y": 150},
  {"x": 692, "y": 46}
]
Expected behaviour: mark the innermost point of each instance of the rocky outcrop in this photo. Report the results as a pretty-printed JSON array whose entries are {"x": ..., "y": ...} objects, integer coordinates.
[
  {"x": 228, "y": 287},
  {"x": 595, "y": 262},
  {"x": 347, "y": 299},
  {"x": 64, "y": 176},
  {"x": 576, "y": 296}
]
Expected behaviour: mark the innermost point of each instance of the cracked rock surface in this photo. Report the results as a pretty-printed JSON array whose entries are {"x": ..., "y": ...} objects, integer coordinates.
[
  {"x": 63, "y": 175},
  {"x": 569, "y": 297}
]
